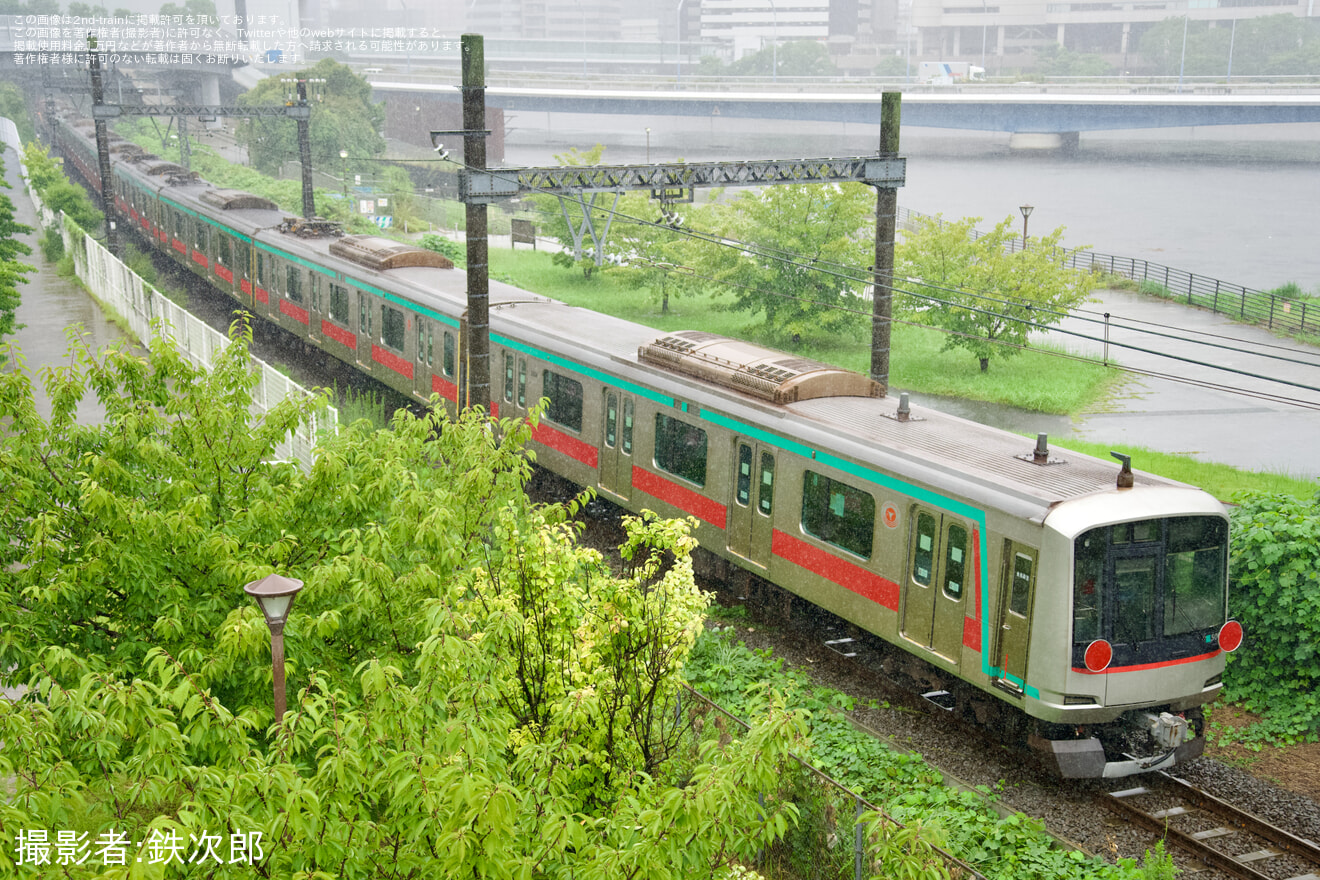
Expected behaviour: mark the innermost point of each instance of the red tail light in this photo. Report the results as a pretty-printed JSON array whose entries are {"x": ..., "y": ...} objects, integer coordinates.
[
  {"x": 1098, "y": 655},
  {"x": 1230, "y": 636}
]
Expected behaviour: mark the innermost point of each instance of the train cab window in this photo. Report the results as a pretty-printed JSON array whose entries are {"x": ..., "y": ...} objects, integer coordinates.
[
  {"x": 838, "y": 514},
  {"x": 680, "y": 449},
  {"x": 522, "y": 382},
  {"x": 611, "y": 419},
  {"x": 743, "y": 480},
  {"x": 625, "y": 444},
  {"x": 1194, "y": 575},
  {"x": 923, "y": 549},
  {"x": 765, "y": 501},
  {"x": 508, "y": 377},
  {"x": 338, "y": 304},
  {"x": 1024, "y": 573},
  {"x": 293, "y": 285},
  {"x": 955, "y": 562},
  {"x": 392, "y": 324},
  {"x": 449, "y": 357},
  {"x": 565, "y": 396}
]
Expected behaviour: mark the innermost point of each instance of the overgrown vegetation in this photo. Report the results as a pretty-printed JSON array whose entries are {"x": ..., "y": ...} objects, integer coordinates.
[
  {"x": 1275, "y": 593},
  {"x": 901, "y": 783},
  {"x": 12, "y": 272}
]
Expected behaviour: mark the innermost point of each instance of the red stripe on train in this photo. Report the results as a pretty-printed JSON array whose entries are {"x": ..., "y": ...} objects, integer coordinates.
[
  {"x": 338, "y": 334},
  {"x": 680, "y": 496},
  {"x": 178, "y": 246},
  {"x": 299, "y": 315},
  {"x": 446, "y": 389},
  {"x": 262, "y": 296},
  {"x": 391, "y": 360},
  {"x": 570, "y": 446},
  {"x": 864, "y": 583},
  {"x": 972, "y": 625},
  {"x": 200, "y": 259},
  {"x": 1141, "y": 666},
  {"x": 224, "y": 273}
]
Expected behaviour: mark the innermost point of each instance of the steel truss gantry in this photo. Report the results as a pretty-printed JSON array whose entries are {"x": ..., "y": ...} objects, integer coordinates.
[{"x": 667, "y": 183}]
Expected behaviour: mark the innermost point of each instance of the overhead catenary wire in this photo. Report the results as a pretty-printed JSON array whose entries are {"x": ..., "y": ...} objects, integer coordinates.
[{"x": 859, "y": 277}]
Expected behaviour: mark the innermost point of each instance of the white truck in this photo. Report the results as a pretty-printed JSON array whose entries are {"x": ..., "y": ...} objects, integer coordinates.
[{"x": 945, "y": 73}]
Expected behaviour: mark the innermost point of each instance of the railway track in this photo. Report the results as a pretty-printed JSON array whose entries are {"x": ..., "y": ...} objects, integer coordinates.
[{"x": 1213, "y": 831}]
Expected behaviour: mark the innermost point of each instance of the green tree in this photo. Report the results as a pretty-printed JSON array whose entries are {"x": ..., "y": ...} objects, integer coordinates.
[
  {"x": 794, "y": 58},
  {"x": 981, "y": 293},
  {"x": 1056, "y": 60},
  {"x": 12, "y": 272},
  {"x": 343, "y": 118},
  {"x": 474, "y": 694},
  {"x": 14, "y": 106},
  {"x": 1270, "y": 45},
  {"x": 563, "y": 219},
  {"x": 57, "y": 191},
  {"x": 809, "y": 247}
]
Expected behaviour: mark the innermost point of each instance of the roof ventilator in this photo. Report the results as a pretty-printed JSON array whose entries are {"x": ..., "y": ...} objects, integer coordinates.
[
  {"x": 1125, "y": 473},
  {"x": 1041, "y": 454}
]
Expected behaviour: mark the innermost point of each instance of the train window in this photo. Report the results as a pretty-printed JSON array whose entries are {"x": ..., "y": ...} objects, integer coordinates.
[
  {"x": 766, "y": 500},
  {"x": 680, "y": 449},
  {"x": 261, "y": 269},
  {"x": 314, "y": 285},
  {"x": 955, "y": 562},
  {"x": 743, "y": 482},
  {"x": 447, "y": 365},
  {"x": 338, "y": 304},
  {"x": 293, "y": 285},
  {"x": 1134, "y": 592},
  {"x": 1088, "y": 574},
  {"x": 522, "y": 382},
  {"x": 923, "y": 550},
  {"x": 364, "y": 315},
  {"x": 508, "y": 377},
  {"x": 222, "y": 249},
  {"x": 430, "y": 345},
  {"x": 1194, "y": 574},
  {"x": 565, "y": 396},
  {"x": 421, "y": 342},
  {"x": 626, "y": 446},
  {"x": 611, "y": 419},
  {"x": 200, "y": 230},
  {"x": 392, "y": 325},
  {"x": 1024, "y": 571},
  {"x": 838, "y": 514}
]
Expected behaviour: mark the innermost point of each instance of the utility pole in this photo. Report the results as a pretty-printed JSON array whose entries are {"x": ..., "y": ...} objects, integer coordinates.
[
  {"x": 102, "y": 146},
  {"x": 886, "y": 216},
  {"x": 305, "y": 152},
  {"x": 478, "y": 270}
]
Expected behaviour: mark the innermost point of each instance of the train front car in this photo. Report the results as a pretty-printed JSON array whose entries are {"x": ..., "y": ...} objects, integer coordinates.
[{"x": 1125, "y": 656}]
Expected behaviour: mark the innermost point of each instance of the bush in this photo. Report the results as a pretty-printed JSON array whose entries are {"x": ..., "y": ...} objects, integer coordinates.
[
  {"x": 445, "y": 247},
  {"x": 52, "y": 245},
  {"x": 1275, "y": 593}
]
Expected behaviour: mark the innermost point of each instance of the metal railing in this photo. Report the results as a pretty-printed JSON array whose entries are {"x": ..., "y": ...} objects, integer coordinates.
[
  {"x": 149, "y": 313},
  {"x": 1271, "y": 310}
]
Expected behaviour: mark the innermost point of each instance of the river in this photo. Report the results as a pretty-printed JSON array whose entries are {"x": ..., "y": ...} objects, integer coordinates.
[{"x": 1236, "y": 203}]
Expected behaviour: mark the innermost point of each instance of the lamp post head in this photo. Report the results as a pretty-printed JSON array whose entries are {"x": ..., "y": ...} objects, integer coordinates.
[
  {"x": 1026, "y": 211},
  {"x": 343, "y": 154},
  {"x": 274, "y": 594}
]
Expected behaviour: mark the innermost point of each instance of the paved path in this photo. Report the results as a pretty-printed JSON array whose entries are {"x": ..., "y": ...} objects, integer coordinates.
[{"x": 1261, "y": 433}]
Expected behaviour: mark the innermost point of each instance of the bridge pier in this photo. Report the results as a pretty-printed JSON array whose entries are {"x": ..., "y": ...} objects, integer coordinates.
[{"x": 1065, "y": 142}]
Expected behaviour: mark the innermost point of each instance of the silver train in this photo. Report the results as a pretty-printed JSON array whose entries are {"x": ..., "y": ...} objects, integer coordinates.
[{"x": 1078, "y": 605}]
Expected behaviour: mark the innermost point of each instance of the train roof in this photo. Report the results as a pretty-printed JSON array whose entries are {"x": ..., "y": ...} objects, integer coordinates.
[{"x": 807, "y": 405}]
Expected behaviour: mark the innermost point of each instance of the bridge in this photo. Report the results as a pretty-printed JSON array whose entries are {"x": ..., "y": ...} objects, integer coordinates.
[{"x": 1035, "y": 118}]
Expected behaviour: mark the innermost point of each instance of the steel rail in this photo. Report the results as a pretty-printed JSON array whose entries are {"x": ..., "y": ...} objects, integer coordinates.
[{"x": 1285, "y": 840}]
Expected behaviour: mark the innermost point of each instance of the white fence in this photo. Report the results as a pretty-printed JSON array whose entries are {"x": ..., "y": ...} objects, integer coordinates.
[{"x": 139, "y": 304}]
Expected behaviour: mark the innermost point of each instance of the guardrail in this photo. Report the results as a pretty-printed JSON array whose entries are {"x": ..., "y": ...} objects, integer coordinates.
[
  {"x": 1270, "y": 310},
  {"x": 149, "y": 313}
]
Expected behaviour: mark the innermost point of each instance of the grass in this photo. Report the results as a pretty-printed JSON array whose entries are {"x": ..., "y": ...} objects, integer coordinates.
[
  {"x": 1220, "y": 480},
  {"x": 1030, "y": 380}
]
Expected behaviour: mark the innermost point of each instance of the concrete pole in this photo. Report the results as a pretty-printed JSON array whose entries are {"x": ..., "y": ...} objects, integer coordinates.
[
  {"x": 886, "y": 216},
  {"x": 305, "y": 152},
  {"x": 102, "y": 147},
  {"x": 478, "y": 269}
]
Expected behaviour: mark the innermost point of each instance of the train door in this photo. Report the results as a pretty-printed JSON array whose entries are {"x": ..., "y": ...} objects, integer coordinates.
[
  {"x": 425, "y": 357},
  {"x": 939, "y": 574},
  {"x": 749, "y": 524},
  {"x": 1017, "y": 592},
  {"x": 617, "y": 444},
  {"x": 364, "y": 328}
]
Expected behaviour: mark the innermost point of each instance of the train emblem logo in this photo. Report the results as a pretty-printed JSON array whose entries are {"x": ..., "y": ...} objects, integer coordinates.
[{"x": 891, "y": 515}]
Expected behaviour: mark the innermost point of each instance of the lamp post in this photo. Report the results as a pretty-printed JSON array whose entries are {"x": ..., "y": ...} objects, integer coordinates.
[
  {"x": 275, "y": 595},
  {"x": 678, "y": 47},
  {"x": 1026, "y": 212},
  {"x": 648, "y": 146},
  {"x": 343, "y": 158},
  {"x": 774, "y": 42}
]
